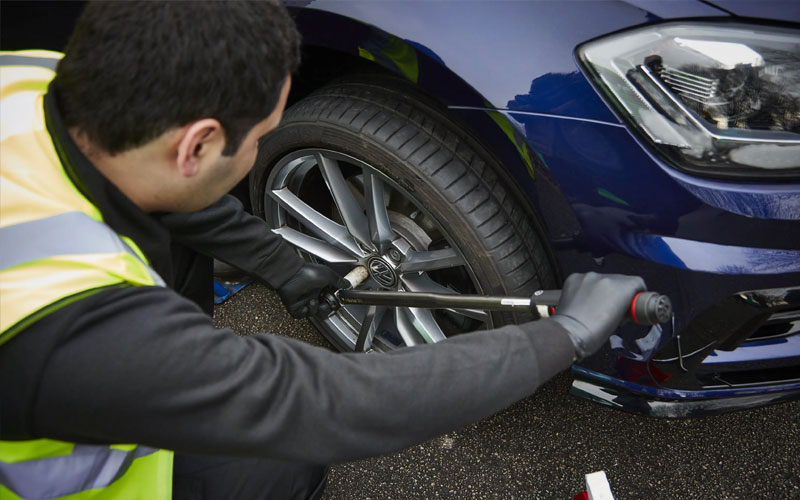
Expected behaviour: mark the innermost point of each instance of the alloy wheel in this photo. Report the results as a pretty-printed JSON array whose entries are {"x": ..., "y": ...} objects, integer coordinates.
[{"x": 340, "y": 211}]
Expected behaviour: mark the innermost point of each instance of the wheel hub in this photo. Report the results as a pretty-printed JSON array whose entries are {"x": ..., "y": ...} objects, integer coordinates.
[{"x": 382, "y": 272}]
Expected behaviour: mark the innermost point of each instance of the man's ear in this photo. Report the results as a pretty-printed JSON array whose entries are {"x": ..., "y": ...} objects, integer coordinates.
[{"x": 202, "y": 142}]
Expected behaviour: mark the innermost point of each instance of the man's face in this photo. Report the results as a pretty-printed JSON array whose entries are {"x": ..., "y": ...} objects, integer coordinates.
[{"x": 228, "y": 171}]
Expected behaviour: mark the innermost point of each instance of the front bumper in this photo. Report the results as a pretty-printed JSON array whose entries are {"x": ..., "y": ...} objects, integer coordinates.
[{"x": 742, "y": 351}]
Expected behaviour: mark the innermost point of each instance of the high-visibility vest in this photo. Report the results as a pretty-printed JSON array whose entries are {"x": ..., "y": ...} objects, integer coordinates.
[{"x": 54, "y": 250}]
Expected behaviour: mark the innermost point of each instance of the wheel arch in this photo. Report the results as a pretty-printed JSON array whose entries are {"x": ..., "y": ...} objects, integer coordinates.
[{"x": 368, "y": 50}]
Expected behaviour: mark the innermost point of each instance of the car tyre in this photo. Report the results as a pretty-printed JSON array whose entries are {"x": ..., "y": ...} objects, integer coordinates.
[{"x": 414, "y": 148}]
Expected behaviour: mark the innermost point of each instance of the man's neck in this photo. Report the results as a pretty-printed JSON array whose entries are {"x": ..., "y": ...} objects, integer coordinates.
[{"x": 134, "y": 172}]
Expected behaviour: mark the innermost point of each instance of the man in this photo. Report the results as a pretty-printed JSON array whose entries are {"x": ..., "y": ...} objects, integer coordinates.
[{"x": 112, "y": 206}]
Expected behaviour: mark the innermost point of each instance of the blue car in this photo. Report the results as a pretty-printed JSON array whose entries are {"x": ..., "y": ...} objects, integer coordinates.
[{"x": 496, "y": 147}]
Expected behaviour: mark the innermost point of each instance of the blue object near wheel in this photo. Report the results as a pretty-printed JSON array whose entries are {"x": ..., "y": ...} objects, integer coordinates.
[{"x": 223, "y": 290}]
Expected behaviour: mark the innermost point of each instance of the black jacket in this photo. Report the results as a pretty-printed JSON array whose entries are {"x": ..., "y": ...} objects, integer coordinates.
[{"x": 145, "y": 365}]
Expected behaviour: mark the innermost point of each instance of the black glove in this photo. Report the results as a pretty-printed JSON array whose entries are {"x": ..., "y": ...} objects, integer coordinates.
[
  {"x": 301, "y": 293},
  {"x": 592, "y": 306}
]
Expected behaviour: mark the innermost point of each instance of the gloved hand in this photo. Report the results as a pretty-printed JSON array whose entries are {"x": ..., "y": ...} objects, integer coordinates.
[
  {"x": 592, "y": 306},
  {"x": 300, "y": 294}
]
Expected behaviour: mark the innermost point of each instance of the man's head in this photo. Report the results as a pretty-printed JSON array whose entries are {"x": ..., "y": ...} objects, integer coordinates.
[{"x": 197, "y": 78}]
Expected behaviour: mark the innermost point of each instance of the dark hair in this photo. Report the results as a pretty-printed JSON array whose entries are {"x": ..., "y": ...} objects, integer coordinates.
[{"x": 133, "y": 70}]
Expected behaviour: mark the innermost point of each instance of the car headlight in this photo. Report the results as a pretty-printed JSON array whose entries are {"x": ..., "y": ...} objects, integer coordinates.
[{"x": 718, "y": 99}]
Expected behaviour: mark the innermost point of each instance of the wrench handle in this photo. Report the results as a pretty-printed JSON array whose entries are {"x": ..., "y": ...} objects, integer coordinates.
[
  {"x": 647, "y": 308},
  {"x": 650, "y": 308}
]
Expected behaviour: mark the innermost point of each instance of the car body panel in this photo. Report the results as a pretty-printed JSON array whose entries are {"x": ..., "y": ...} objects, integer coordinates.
[
  {"x": 785, "y": 350},
  {"x": 511, "y": 70},
  {"x": 776, "y": 10}
]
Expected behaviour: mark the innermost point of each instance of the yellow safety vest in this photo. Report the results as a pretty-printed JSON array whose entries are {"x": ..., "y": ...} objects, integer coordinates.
[{"x": 54, "y": 250}]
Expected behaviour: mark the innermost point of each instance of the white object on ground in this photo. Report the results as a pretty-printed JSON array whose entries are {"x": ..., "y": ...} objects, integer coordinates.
[{"x": 597, "y": 486}]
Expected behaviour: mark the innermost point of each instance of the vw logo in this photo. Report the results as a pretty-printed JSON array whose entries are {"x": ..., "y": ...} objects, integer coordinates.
[{"x": 382, "y": 272}]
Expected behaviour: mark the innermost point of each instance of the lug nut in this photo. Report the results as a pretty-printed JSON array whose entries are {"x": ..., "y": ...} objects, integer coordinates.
[{"x": 394, "y": 255}]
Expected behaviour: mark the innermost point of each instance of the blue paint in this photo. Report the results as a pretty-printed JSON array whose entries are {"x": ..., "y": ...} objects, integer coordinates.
[
  {"x": 763, "y": 201},
  {"x": 667, "y": 393},
  {"x": 751, "y": 352},
  {"x": 711, "y": 258}
]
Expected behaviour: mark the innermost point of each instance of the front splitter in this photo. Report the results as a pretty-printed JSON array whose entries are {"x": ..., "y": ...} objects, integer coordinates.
[{"x": 622, "y": 399}]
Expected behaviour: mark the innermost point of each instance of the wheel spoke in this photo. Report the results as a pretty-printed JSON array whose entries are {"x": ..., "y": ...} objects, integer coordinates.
[
  {"x": 431, "y": 260},
  {"x": 369, "y": 326},
  {"x": 323, "y": 227},
  {"x": 476, "y": 314},
  {"x": 426, "y": 326},
  {"x": 424, "y": 283},
  {"x": 347, "y": 204},
  {"x": 314, "y": 246},
  {"x": 380, "y": 229},
  {"x": 405, "y": 326}
]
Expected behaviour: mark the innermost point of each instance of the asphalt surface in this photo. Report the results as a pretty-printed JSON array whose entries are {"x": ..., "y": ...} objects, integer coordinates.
[{"x": 542, "y": 447}]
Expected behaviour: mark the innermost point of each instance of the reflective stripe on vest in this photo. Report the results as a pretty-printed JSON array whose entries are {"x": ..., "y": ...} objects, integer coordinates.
[
  {"x": 44, "y": 60},
  {"x": 63, "y": 234},
  {"x": 88, "y": 467},
  {"x": 54, "y": 249}
]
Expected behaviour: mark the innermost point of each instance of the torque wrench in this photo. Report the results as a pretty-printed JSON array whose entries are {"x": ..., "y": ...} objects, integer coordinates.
[{"x": 647, "y": 308}]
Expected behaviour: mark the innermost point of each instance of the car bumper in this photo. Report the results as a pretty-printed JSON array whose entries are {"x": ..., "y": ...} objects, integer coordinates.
[{"x": 741, "y": 352}]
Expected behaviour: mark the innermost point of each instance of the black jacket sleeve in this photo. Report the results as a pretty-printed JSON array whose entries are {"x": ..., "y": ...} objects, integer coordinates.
[
  {"x": 225, "y": 231},
  {"x": 144, "y": 365}
]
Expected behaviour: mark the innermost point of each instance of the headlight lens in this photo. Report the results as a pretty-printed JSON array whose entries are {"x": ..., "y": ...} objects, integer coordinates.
[{"x": 720, "y": 99}]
